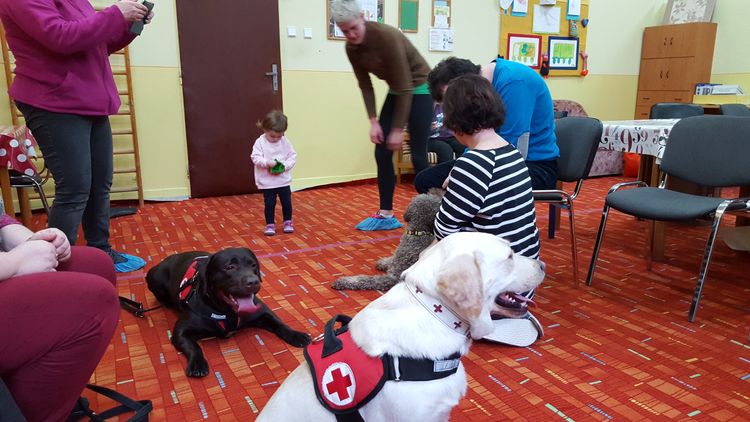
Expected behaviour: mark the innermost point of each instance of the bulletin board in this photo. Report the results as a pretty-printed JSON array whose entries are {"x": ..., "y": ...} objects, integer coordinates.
[
  {"x": 562, "y": 41},
  {"x": 408, "y": 15}
]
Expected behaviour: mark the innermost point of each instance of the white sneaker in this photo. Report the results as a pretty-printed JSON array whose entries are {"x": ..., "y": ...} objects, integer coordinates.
[{"x": 520, "y": 332}]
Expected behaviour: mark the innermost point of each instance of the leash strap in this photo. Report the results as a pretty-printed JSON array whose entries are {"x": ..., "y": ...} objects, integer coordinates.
[
  {"x": 141, "y": 408},
  {"x": 135, "y": 308}
]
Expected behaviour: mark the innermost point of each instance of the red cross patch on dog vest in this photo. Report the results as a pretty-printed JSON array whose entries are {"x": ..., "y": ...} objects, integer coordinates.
[{"x": 345, "y": 377}]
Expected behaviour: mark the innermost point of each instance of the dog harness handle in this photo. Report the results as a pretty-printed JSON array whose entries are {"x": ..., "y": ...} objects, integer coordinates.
[{"x": 331, "y": 344}]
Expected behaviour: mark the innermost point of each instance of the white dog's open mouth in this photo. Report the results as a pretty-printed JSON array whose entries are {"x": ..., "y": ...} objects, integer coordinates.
[{"x": 511, "y": 305}]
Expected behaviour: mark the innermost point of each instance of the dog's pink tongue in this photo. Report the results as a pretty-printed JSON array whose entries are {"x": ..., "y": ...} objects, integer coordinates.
[
  {"x": 246, "y": 305},
  {"x": 523, "y": 299}
]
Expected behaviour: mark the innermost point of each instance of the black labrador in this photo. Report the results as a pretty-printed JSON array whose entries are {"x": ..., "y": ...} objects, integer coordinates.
[{"x": 216, "y": 295}]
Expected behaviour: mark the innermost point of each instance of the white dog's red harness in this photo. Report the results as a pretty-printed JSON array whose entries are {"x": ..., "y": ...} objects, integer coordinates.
[{"x": 346, "y": 378}]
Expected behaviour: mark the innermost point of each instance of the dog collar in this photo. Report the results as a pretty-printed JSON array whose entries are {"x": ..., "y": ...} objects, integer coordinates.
[
  {"x": 441, "y": 311},
  {"x": 419, "y": 233}
]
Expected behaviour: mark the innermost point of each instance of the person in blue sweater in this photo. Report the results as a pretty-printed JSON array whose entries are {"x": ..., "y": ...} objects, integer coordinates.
[{"x": 529, "y": 121}]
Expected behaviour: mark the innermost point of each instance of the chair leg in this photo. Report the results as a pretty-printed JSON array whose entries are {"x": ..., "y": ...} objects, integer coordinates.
[
  {"x": 574, "y": 249},
  {"x": 42, "y": 197},
  {"x": 706, "y": 261},
  {"x": 552, "y": 215},
  {"x": 650, "y": 244},
  {"x": 597, "y": 245}
]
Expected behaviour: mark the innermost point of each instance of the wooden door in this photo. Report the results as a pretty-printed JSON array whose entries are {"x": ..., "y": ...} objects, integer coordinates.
[{"x": 228, "y": 52}]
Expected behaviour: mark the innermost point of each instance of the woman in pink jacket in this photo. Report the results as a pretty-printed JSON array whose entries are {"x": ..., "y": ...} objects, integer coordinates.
[{"x": 64, "y": 87}]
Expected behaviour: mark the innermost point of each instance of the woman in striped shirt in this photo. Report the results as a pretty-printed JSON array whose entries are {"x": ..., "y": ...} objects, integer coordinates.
[{"x": 489, "y": 189}]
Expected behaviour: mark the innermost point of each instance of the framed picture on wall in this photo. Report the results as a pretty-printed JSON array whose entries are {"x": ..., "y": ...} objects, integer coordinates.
[
  {"x": 686, "y": 11},
  {"x": 563, "y": 53},
  {"x": 374, "y": 10},
  {"x": 525, "y": 49}
]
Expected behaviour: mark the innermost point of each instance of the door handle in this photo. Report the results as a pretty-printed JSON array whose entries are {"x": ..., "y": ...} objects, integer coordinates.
[
  {"x": 274, "y": 74},
  {"x": 661, "y": 74}
]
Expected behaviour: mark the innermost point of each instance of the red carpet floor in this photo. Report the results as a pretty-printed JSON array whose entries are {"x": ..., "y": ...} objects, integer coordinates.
[{"x": 619, "y": 350}]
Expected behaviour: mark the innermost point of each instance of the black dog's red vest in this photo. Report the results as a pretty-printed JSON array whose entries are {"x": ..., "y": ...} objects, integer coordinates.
[{"x": 346, "y": 378}]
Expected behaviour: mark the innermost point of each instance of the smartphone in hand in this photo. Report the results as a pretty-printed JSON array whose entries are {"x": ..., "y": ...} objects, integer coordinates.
[{"x": 137, "y": 26}]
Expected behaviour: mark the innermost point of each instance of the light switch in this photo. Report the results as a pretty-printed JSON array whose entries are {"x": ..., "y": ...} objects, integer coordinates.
[
  {"x": 308, "y": 33},
  {"x": 291, "y": 31}
]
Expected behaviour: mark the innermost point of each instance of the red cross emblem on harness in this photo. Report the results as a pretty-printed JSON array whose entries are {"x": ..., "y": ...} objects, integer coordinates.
[{"x": 338, "y": 383}]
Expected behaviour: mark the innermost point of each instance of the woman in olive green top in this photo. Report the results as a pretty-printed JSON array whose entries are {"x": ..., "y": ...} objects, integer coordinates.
[{"x": 386, "y": 53}]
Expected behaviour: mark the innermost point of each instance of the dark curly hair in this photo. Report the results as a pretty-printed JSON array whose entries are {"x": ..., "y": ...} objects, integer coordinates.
[
  {"x": 471, "y": 104},
  {"x": 447, "y": 70}
]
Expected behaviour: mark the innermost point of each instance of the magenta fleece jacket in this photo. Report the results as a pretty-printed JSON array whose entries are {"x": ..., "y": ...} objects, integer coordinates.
[{"x": 61, "y": 50}]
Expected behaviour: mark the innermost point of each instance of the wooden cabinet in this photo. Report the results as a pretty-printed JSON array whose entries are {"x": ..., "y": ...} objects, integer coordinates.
[{"x": 674, "y": 58}]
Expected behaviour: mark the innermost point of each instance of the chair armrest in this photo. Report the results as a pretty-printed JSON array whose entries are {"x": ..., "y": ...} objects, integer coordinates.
[{"x": 638, "y": 183}]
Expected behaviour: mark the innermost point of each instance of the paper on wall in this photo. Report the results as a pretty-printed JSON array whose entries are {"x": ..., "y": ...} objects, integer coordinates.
[
  {"x": 505, "y": 4},
  {"x": 546, "y": 20},
  {"x": 574, "y": 7},
  {"x": 520, "y": 7},
  {"x": 441, "y": 39},
  {"x": 370, "y": 9},
  {"x": 441, "y": 21}
]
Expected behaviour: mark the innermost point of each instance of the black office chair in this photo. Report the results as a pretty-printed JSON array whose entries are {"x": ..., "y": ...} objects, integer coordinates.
[
  {"x": 675, "y": 110},
  {"x": 578, "y": 139},
  {"x": 708, "y": 150},
  {"x": 9, "y": 411},
  {"x": 739, "y": 110},
  {"x": 20, "y": 180}
]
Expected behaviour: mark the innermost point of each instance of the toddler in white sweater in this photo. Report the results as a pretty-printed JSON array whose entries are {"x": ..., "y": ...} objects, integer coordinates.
[{"x": 274, "y": 157}]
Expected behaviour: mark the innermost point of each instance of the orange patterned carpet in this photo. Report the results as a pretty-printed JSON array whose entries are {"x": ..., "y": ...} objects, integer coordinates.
[{"x": 619, "y": 350}]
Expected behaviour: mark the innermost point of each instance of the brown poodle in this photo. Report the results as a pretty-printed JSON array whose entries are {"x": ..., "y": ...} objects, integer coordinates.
[{"x": 420, "y": 219}]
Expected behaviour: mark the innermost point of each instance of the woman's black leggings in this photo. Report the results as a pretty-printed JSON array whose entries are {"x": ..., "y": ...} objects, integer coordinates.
[{"x": 420, "y": 118}]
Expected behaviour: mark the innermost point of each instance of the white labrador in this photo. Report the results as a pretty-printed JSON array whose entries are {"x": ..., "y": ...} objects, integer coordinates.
[{"x": 464, "y": 271}]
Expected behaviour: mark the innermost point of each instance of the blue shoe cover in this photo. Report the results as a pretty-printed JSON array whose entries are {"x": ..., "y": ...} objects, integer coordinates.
[
  {"x": 133, "y": 263},
  {"x": 379, "y": 223}
]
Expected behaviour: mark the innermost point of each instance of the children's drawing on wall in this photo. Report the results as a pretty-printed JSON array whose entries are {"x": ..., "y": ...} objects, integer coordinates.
[
  {"x": 546, "y": 20},
  {"x": 520, "y": 7},
  {"x": 525, "y": 49},
  {"x": 563, "y": 53},
  {"x": 574, "y": 9}
]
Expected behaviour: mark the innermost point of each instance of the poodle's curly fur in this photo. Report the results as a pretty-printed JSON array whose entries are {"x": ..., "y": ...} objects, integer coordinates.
[{"x": 420, "y": 219}]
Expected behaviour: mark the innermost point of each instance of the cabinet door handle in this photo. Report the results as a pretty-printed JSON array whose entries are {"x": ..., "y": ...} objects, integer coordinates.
[
  {"x": 661, "y": 74},
  {"x": 670, "y": 40},
  {"x": 665, "y": 40},
  {"x": 667, "y": 75}
]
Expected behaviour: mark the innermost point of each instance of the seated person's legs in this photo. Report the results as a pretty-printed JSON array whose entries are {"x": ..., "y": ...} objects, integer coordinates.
[
  {"x": 441, "y": 148},
  {"x": 433, "y": 177},
  {"x": 56, "y": 327},
  {"x": 85, "y": 259},
  {"x": 457, "y": 147},
  {"x": 543, "y": 174}
]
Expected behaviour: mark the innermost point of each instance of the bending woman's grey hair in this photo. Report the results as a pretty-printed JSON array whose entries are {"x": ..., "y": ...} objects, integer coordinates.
[{"x": 345, "y": 10}]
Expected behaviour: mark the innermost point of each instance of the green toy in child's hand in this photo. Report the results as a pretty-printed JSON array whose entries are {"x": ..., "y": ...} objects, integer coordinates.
[{"x": 278, "y": 168}]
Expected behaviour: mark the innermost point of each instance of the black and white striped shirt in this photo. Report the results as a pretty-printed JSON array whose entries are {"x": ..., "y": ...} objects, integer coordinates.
[{"x": 490, "y": 191}]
